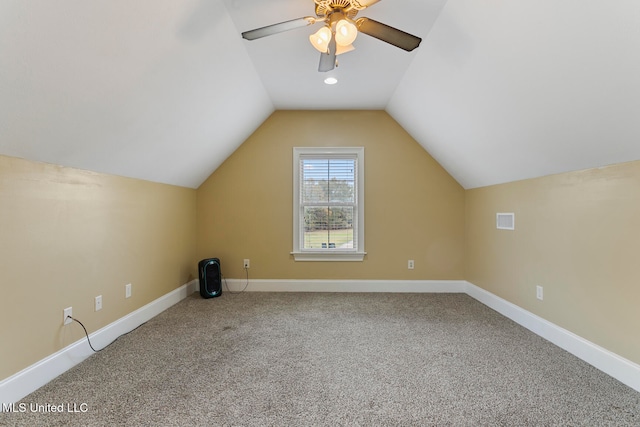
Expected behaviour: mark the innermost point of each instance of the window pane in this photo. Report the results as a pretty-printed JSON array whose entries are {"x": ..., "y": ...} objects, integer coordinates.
[
  {"x": 328, "y": 227},
  {"x": 328, "y": 180}
]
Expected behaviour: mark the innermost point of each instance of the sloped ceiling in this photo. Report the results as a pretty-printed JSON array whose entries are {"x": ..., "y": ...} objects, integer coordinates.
[
  {"x": 157, "y": 90},
  {"x": 166, "y": 91},
  {"x": 507, "y": 90}
]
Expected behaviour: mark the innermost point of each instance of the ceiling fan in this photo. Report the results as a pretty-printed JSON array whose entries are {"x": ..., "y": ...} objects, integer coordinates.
[{"x": 340, "y": 29}]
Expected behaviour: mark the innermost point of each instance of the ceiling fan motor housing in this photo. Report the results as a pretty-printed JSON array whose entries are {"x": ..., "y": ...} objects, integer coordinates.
[{"x": 325, "y": 8}]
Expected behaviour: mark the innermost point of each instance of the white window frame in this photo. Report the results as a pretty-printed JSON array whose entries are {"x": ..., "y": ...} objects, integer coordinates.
[{"x": 329, "y": 254}]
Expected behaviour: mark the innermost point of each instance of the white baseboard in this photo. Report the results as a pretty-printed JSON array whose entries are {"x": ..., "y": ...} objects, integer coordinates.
[
  {"x": 28, "y": 380},
  {"x": 392, "y": 286},
  {"x": 625, "y": 371}
]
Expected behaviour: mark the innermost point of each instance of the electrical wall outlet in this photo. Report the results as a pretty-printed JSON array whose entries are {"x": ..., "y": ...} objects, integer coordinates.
[
  {"x": 66, "y": 319},
  {"x": 127, "y": 290},
  {"x": 246, "y": 263},
  {"x": 410, "y": 264},
  {"x": 99, "y": 303},
  {"x": 539, "y": 293}
]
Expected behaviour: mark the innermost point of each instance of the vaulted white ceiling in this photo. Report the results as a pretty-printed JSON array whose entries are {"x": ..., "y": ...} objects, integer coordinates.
[{"x": 166, "y": 91}]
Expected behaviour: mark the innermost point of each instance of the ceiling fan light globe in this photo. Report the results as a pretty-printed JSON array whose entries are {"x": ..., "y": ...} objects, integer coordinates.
[
  {"x": 346, "y": 32},
  {"x": 320, "y": 39}
]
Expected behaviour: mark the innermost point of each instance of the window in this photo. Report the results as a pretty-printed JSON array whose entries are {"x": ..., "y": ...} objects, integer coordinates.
[{"x": 328, "y": 204}]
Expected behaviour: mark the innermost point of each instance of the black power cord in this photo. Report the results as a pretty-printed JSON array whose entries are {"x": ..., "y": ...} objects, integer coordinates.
[
  {"x": 89, "y": 341},
  {"x": 86, "y": 333},
  {"x": 243, "y": 289}
]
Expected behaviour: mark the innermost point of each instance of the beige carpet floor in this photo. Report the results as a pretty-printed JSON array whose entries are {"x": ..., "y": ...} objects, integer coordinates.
[{"x": 322, "y": 359}]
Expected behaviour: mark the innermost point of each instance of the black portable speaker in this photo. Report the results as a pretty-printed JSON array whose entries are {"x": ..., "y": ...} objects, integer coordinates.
[{"x": 210, "y": 278}]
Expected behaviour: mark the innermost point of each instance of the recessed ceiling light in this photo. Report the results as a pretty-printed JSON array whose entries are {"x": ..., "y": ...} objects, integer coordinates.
[{"x": 331, "y": 80}]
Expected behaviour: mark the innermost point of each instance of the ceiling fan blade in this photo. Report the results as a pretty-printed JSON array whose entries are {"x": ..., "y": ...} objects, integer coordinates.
[
  {"x": 388, "y": 34},
  {"x": 278, "y": 28},
  {"x": 363, "y": 4},
  {"x": 328, "y": 60}
]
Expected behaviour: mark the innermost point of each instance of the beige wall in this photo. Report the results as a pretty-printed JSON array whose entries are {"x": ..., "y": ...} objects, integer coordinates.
[
  {"x": 68, "y": 235},
  {"x": 413, "y": 208},
  {"x": 577, "y": 235}
]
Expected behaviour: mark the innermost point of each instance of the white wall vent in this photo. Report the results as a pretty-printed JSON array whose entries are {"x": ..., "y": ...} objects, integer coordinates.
[{"x": 506, "y": 221}]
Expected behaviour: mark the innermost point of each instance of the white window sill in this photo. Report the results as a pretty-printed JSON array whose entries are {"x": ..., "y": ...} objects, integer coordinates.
[{"x": 328, "y": 256}]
